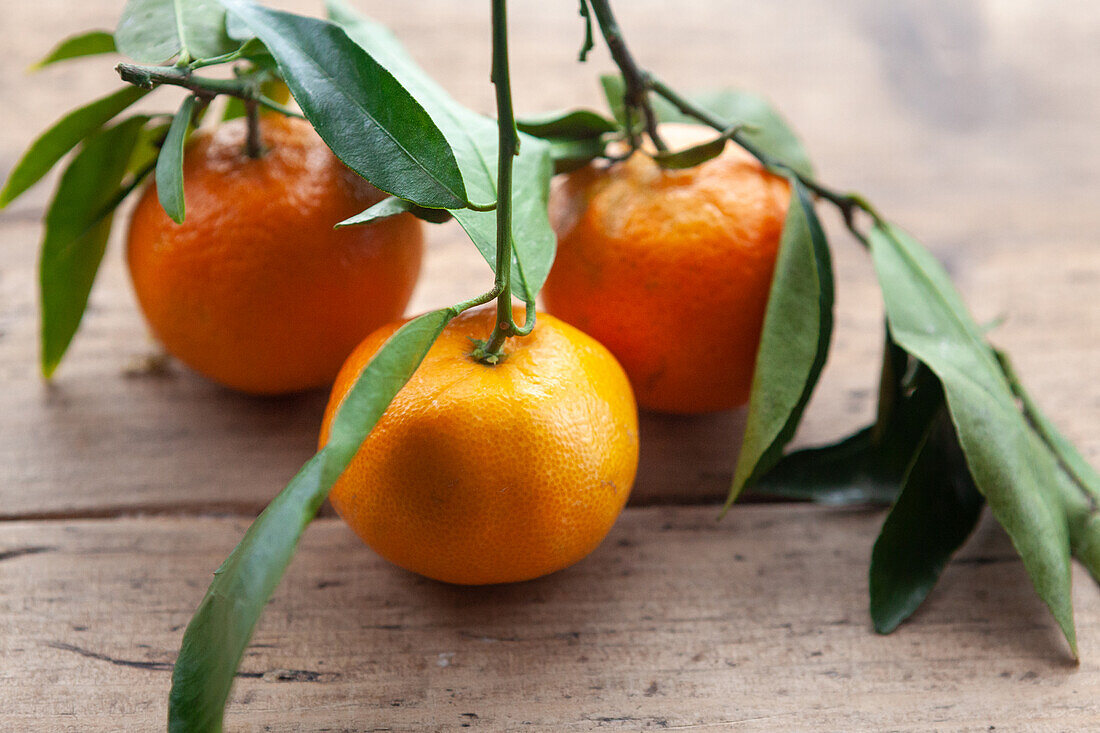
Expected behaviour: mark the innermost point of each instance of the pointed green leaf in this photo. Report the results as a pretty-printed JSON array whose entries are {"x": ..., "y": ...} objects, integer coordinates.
[
  {"x": 218, "y": 633},
  {"x": 937, "y": 510},
  {"x": 77, "y": 224},
  {"x": 154, "y": 31},
  {"x": 693, "y": 155},
  {"x": 393, "y": 206},
  {"x": 63, "y": 136},
  {"x": 90, "y": 43},
  {"x": 361, "y": 111},
  {"x": 170, "y": 163},
  {"x": 574, "y": 124},
  {"x": 928, "y": 319},
  {"x": 473, "y": 138},
  {"x": 798, "y": 324},
  {"x": 1078, "y": 482},
  {"x": 764, "y": 127}
]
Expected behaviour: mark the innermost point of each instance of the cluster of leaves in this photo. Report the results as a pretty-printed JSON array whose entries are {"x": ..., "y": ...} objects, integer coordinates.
[{"x": 954, "y": 430}]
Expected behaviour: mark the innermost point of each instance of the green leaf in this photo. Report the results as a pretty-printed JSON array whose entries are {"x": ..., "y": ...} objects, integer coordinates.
[
  {"x": 1078, "y": 482},
  {"x": 693, "y": 155},
  {"x": 798, "y": 324},
  {"x": 937, "y": 510},
  {"x": 90, "y": 43},
  {"x": 393, "y": 206},
  {"x": 764, "y": 127},
  {"x": 361, "y": 111},
  {"x": 77, "y": 224},
  {"x": 218, "y": 633},
  {"x": 569, "y": 155},
  {"x": 868, "y": 466},
  {"x": 62, "y": 137},
  {"x": 473, "y": 138},
  {"x": 614, "y": 93},
  {"x": 154, "y": 31},
  {"x": 576, "y": 124},
  {"x": 928, "y": 319},
  {"x": 170, "y": 163}
]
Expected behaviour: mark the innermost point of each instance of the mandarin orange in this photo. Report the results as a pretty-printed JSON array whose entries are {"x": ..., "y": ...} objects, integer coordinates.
[
  {"x": 670, "y": 269},
  {"x": 256, "y": 290},
  {"x": 482, "y": 474}
]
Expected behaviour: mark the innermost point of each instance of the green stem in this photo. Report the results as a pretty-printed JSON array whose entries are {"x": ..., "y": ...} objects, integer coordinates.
[
  {"x": 508, "y": 147},
  {"x": 253, "y": 143},
  {"x": 636, "y": 96},
  {"x": 150, "y": 77}
]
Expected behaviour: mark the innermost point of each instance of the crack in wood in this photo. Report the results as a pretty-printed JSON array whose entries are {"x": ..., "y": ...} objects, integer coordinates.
[{"x": 21, "y": 551}]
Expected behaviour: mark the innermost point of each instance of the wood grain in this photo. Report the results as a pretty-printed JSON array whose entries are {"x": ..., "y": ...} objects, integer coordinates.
[
  {"x": 972, "y": 123},
  {"x": 678, "y": 621},
  {"x": 987, "y": 161}
]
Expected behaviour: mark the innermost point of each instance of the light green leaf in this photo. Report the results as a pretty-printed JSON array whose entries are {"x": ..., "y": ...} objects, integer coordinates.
[
  {"x": 169, "y": 174},
  {"x": 937, "y": 510},
  {"x": 90, "y": 43},
  {"x": 154, "y": 31},
  {"x": 693, "y": 155},
  {"x": 474, "y": 141},
  {"x": 361, "y": 111},
  {"x": 928, "y": 319},
  {"x": 52, "y": 145},
  {"x": 218, "y": 633},
  {"x": 77, "y": 224},
  {"x": 798, "y": 324}
]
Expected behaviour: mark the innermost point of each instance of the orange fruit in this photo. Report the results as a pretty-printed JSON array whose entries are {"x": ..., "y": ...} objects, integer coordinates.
[
  {"x": 256, "y": 290},
  {"x": 670, "y": 269},
  {"x": 482, "y": 474}
]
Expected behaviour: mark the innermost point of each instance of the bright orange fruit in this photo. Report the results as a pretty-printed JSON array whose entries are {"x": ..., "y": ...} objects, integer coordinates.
[
  {"x": 256, "y": 290},
  {"x": 491, "y": 474},
  {"x": 670, "y": 269}
]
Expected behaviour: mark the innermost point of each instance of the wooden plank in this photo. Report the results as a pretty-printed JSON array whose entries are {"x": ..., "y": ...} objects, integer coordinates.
[
  {"x": 990, "y": 165},
  {"x": 757, "y": 622}
]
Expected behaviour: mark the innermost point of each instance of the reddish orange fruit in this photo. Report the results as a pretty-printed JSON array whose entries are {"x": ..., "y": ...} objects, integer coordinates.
[
  {"x": 256, "y": 290},
  {"x": 670, "y": 269},
  {"x": 491, "y": 474}
]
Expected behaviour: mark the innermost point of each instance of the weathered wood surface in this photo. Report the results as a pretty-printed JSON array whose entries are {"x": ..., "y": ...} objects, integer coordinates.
[
  {"x": 972, "y": 123},
  {"x": 676, "y": 622},
  {"x": 988, "y": 153}
]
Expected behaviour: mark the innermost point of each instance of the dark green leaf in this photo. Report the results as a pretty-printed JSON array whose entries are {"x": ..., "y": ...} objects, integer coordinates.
[
  {"x": 77, "y": 224},
  {"x": 474, "y": 141},
  {"x": 170, "y": 163},
  {"x": 576, "y": 124},
  {"x": 867, "y": 467},
  {"x": 937, "y": 510},
  {"x": 798, "y": 324},
  {"x": 362, "y": 112},
  {"x": 692, "y": 156},
  {"x": 62, "y": 137},
  {"x": 91, "y": 43},
  {"x": 154, "y": 31},
  {"x": 392, "y": 206},
  {"x": 218, "y": 633},
  {"x": 928, "y": 319}
]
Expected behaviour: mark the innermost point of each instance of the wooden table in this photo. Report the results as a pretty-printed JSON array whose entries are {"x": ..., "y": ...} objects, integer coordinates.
[{"x": 125, "y": 483}]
